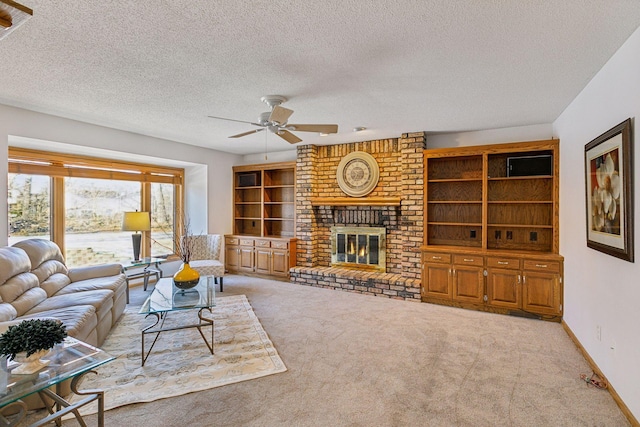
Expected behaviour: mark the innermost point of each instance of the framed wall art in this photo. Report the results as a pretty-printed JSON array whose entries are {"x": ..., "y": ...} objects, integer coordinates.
[{"x": 609, "y": 181}]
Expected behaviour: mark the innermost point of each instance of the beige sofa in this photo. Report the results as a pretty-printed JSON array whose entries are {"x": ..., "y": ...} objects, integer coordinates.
[{"x": 35, "y": 283}]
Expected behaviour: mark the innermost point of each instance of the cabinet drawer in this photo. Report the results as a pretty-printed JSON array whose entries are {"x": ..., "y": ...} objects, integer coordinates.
[
  {"x": 437, "y": 257},
  {"x": 246, "y": 242},
  {"x": 278, "y": 244},
  {"x": 231, "y": 240},
  {"x": 468, "y": 260},
  {"x": 542, "y": 265},
  {"x": 263, "y": 243},
  {"x": 499, "y": 262}
]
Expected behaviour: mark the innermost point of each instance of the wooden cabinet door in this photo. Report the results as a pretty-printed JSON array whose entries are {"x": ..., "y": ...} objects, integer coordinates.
[
  {"x": 504, "y": 288},
  {"x": 541, "y": 292},
  {"x": 263, "y": 261},
  {"x": 468, "y": 284},
  {"x": 246, "y": 259},
  {"x": 231, "y": 258},
  {"x": 436, "y": 281},
  {"x": 280, "y": 262}
]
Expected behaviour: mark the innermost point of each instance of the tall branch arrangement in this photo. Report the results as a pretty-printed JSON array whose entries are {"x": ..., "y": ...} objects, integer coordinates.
[{"x": 183, "y": 243}]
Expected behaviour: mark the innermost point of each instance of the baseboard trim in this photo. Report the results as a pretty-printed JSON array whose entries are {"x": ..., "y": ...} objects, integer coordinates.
[{"x": 625, "y": 410}]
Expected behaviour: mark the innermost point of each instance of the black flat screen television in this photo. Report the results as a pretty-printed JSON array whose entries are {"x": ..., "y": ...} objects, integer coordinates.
[{"x": 530, "y": 165}]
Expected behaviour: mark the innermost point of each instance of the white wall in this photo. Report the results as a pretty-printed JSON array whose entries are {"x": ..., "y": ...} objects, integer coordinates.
[
  {"x": 601, "y": 290},
  {"x": 278, "y": 156},
  {"x": 208, "y": 177},
  {"x": 490, "y": 136}
]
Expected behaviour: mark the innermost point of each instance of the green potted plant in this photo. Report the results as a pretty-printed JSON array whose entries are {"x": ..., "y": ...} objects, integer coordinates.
[{"x": 30, "y": 340}]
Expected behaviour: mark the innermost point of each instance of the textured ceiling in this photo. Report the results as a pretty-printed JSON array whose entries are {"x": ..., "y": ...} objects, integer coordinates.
[{"x": 161, "y": 67}]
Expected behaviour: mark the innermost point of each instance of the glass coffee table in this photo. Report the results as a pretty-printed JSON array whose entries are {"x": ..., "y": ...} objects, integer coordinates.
[
  {"x": 167, "y": 298},
  {"x": 70, "y": 360}
]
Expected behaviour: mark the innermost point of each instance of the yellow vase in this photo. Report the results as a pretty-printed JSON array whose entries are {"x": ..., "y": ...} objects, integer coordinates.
[{"x": 186, "y": 277}]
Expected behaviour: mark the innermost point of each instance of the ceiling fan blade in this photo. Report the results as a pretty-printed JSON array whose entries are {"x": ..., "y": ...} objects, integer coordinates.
[
  {"x": 288, "y": 136},
  {"x": 314, "y": 128},
  {"x": 234, "y": 120},
  {"x": 280, "y": 114},
  {"x": 246, "y": 133}
]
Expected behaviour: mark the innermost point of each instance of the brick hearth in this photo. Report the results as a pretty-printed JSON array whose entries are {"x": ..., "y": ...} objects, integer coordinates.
[{"x": 401, "y": 175}]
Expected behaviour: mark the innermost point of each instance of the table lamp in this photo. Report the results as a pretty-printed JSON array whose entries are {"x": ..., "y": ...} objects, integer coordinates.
[{"x": 136, "y": 221}]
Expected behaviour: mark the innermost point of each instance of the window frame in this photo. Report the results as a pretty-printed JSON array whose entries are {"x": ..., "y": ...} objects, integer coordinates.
[{"x": 60, "y": 165}]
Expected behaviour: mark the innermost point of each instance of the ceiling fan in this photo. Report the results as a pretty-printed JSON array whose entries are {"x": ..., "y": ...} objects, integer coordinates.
[{"x": 276, "y": 121}]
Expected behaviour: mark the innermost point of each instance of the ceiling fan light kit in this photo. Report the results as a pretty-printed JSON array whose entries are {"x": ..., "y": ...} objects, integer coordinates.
[
  {"x": 276, "y": 122},
  {"x": 12, "y": 15}
]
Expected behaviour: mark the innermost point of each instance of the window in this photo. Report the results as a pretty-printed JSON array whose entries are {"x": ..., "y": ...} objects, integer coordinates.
[
  {"x": 29, "y": 207},
  {"x": 93, "y": 220},
  {"x": 78, "y": 202},
  {"x": 162, "y": 219}
]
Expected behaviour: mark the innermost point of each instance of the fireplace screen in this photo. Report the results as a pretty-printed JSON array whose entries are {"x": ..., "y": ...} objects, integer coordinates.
[{"x": 360, "y": 247}]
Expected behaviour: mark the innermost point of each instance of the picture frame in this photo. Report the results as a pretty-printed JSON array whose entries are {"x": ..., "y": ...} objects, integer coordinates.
[{"x": 609, "y": 193}]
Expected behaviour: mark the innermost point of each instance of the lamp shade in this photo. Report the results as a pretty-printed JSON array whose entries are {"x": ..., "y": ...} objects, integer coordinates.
[{"x": 136, "y": 221}]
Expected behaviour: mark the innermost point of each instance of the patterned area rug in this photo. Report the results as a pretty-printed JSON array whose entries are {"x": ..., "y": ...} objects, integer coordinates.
[{"x": 180, "y": 362}]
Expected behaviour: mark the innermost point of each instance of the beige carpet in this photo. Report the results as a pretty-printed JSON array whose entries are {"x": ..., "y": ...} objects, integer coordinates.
[
  {"x": 180, "y": 362},
  {"x": 361, "y": 361}
]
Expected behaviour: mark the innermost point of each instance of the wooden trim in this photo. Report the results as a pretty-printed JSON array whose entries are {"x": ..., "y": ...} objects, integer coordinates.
[
  {"x": 58, "y": 166},
  {"x": 616, "y": 397},
  {"x": 355, "y": 201},
  {"x": 56, "y": 211},
  {"x": 145, "y": 206},
  {"x": 478, "y": 150},
  {"x": 72, "y": 159},
  {"x": 37, "y": 162},
  {"x": 63, "y": 171},
  {"x": 264, "y": 166}
]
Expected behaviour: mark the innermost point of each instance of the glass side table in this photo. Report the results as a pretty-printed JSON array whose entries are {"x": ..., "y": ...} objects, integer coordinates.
[
  {"x": 70, "y": 360},
  {"x": 150, "y": 267}
]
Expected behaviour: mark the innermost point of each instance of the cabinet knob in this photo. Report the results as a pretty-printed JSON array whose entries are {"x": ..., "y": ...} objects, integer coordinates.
[
  {"x": 541, "y": 265},
  {"x": 503, "y": 262},
  {"x": 468, "y": 259},
  {"x": 436, "y": 257}
]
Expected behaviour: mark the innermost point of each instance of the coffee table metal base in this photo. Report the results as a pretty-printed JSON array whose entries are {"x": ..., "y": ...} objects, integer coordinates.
[{"x": 161, "y": 317}]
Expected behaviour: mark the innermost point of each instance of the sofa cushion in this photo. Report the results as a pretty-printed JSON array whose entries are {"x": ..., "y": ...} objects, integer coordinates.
[
  {"x": 47, "y": 263},
  {"x": 7, "y": 312},
  {"x": 18, "y": 287},
  {"x": 102, "y": 301},
  {"x": 115, "y": 283},
  {"x": 104, "y": 270},
  {"x": 13, "y": 261},
  {"x": 80, "y": 320}
]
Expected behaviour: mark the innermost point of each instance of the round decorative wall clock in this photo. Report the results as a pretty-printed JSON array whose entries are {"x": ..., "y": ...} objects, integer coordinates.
[{"x": 358, "y": 174}]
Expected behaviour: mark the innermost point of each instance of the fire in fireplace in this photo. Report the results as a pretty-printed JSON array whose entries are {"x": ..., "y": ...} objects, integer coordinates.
[{"x": 359, "y": 247}]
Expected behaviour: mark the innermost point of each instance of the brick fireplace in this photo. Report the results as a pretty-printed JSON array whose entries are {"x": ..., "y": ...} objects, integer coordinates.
[{"x": 395, "y": 204}]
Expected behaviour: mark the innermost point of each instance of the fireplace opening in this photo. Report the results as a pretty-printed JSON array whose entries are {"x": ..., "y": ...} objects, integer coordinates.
[{"x": 359, "y": 247}]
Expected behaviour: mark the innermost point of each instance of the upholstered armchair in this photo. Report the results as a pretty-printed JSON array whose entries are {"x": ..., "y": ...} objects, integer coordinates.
[{"x": 206, "y": 256}]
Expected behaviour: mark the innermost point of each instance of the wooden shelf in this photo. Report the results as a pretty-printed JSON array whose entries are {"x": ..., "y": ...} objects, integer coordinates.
[
  {"x": 456, "y": 180},
  {"x": 468, "y": 193},
  {"x": 355, "y": 201},
  {"x": 520, "y": 226},
  {"x": 456, "y": 202},
  {"x": 516, "y": 178},
  {"x": 266, "y": 206},
  {"x": 470, "y": 224},
  {"x": 522, "y": 202}
]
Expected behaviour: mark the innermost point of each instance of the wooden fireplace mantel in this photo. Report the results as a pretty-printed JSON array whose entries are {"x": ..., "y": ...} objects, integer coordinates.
[{"x": 355, "y": 201}]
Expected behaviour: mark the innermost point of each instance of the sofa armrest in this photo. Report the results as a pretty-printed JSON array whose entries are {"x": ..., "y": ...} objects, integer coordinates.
[{"x": 83, "y": 273}]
